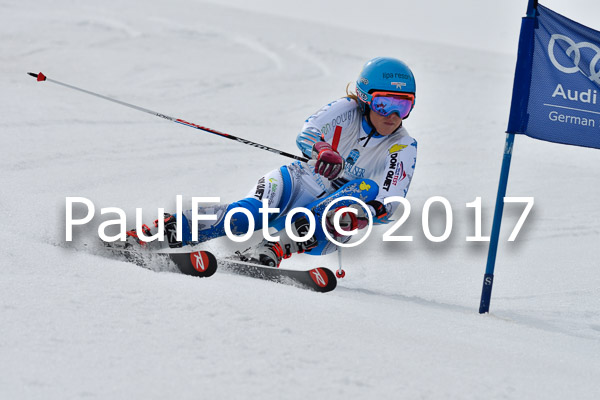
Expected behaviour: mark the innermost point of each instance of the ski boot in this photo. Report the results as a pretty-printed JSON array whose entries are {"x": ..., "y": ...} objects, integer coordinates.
[
  {"x": 133, "y": 240},
  {"x": 272, "y": 253}
]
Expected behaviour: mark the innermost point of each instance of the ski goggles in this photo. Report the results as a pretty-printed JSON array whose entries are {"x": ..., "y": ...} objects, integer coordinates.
[{"x": 386, "y": 103}]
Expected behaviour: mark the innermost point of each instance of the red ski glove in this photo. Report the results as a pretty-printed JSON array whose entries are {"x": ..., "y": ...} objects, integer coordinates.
[
  {"x": 329, "y": 162},
  {"x": 349, "y": 221}
]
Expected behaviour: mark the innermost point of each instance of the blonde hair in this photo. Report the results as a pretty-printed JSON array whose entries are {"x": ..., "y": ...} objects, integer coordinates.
[{"x": 350, "y": 93}]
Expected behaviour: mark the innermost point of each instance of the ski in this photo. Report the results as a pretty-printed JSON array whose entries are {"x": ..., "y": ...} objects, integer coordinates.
[
  {"x": 194, "y": 263},
  {"x": 204, "y": 264},
  {"x": 317, "y": 279}
]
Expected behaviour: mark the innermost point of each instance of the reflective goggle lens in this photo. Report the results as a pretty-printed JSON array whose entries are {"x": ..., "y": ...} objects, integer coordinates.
[{"x": 386, "y": 104}]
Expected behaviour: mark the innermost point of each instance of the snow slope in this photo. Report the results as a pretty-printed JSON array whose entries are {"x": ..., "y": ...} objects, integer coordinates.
[{"x": 402, "y": 324}]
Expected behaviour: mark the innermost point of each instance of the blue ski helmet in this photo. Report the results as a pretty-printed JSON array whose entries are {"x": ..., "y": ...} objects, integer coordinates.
[{"x": 384, "y": 74}]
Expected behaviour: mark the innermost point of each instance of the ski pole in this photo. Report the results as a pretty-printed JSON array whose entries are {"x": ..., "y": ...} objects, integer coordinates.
[
  {"x": 340, "y": 273},
  {"x": 41, "y": 77}
]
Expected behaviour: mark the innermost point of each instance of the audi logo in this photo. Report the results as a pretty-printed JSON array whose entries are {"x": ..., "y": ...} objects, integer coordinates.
[{"x": 574, "y": 53}]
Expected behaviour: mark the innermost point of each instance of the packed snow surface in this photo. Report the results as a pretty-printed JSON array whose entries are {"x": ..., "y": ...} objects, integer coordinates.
[{"x": 404, "y": 321}]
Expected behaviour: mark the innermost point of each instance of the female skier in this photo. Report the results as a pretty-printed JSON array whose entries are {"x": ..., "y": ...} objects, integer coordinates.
[{"x": 360, "y": 149}]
